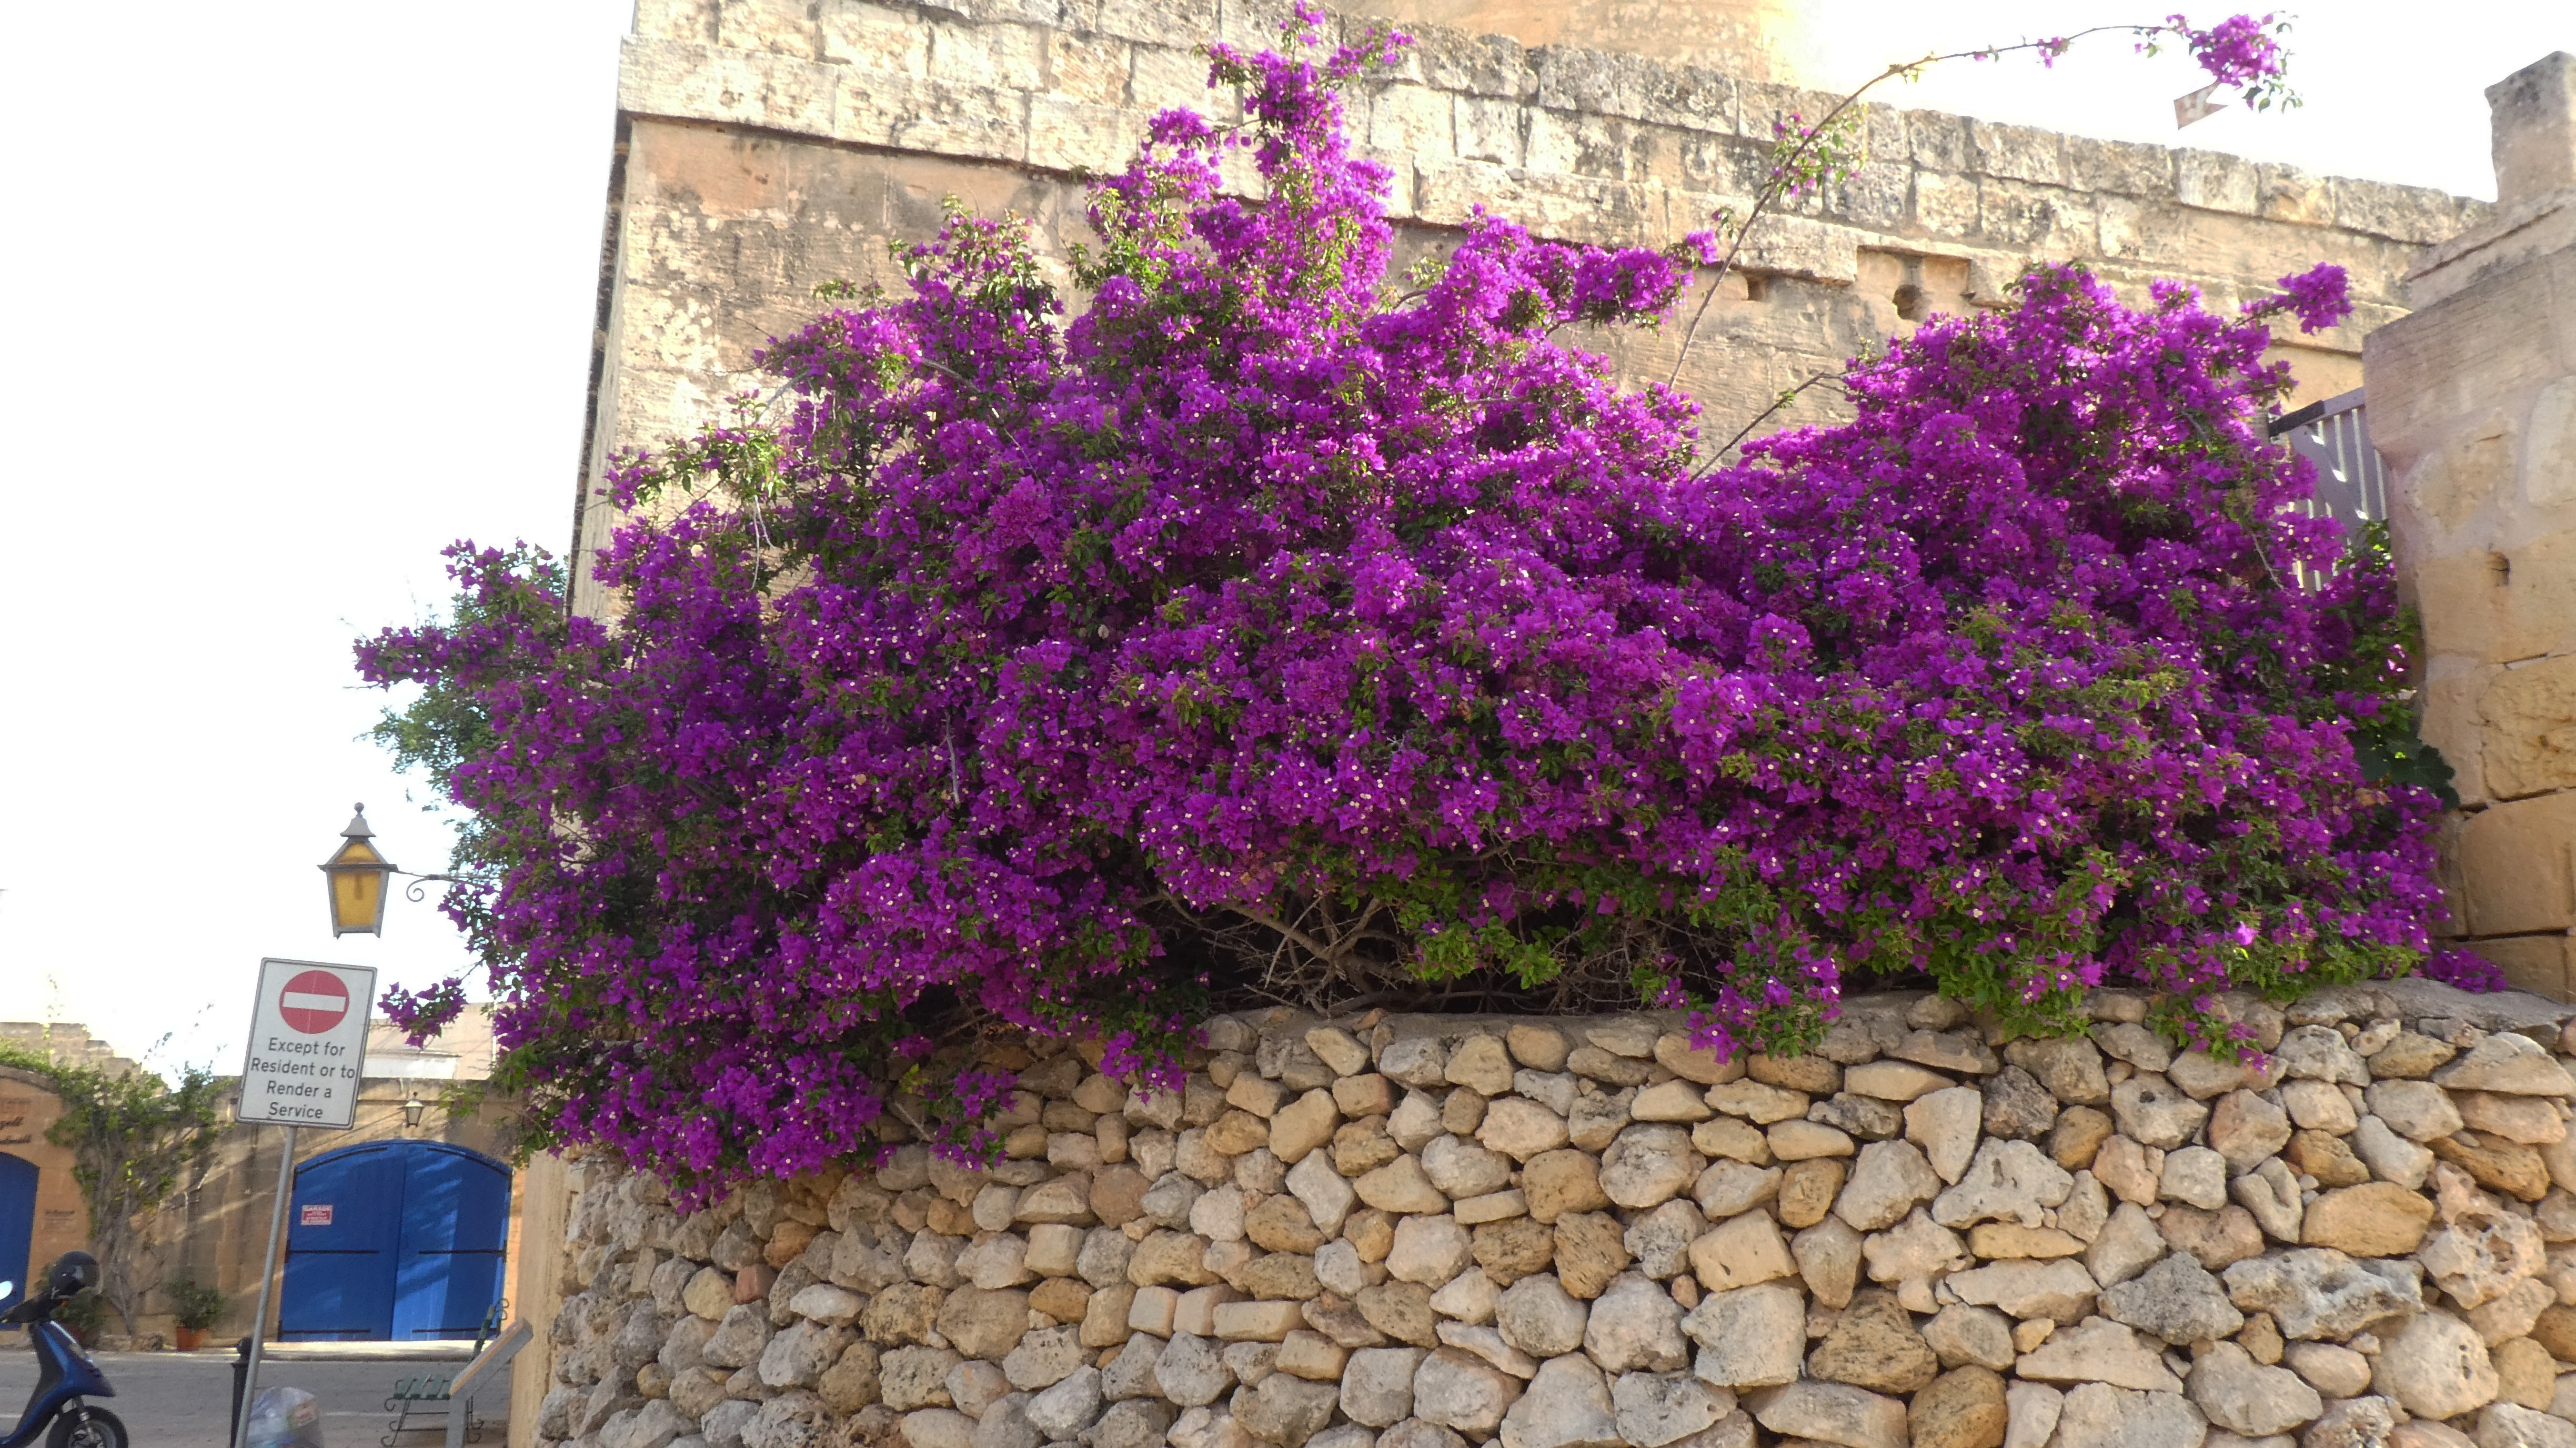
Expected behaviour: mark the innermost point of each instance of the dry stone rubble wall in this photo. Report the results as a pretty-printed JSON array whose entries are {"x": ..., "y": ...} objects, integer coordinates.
[{"x": 1425, "y": 1232}]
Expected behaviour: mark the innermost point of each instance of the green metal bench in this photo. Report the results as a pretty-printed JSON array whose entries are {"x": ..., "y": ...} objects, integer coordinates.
[{"x": 425, "y": 1395}]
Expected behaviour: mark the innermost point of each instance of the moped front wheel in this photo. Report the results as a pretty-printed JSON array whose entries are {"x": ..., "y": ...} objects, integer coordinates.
[{"x": 101, "y": 1429}]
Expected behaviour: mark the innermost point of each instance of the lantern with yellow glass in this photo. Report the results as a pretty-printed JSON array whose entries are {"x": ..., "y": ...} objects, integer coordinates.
[{"x": 357, "y": 877}]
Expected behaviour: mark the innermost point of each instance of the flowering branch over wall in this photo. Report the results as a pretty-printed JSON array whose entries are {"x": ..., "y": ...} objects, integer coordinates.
[{"x": 1042, "y": 671}]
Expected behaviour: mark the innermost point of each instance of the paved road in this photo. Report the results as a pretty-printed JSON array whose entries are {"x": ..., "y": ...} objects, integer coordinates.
[{"x": 180, "y": 1400}]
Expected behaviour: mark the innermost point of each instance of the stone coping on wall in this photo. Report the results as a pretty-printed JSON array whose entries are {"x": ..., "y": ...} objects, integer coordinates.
[
  {"x": 1555, "y": 1232},
  {"x": 1577, "y": 144}
]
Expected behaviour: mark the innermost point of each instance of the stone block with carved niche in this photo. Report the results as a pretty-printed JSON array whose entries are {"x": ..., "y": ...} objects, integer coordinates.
[{"x": 2500, "y": 605}]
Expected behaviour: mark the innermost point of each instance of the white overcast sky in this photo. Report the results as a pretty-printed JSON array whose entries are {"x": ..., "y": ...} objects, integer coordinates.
[{"x": 300, "y": 292}]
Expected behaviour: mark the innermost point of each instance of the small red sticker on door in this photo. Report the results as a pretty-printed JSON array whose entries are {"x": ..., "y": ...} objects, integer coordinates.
[{"x": 317, "y": 1216}]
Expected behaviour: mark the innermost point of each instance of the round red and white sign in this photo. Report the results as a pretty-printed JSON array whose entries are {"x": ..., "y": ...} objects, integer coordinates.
[{"x": 313, "y": 1002}]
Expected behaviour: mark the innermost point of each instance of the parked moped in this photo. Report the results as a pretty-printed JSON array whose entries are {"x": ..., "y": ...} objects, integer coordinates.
[{"x": 65, "y": 1374}]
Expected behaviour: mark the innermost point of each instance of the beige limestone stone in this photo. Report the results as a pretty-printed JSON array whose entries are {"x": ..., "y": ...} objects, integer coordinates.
[
  {"x": 2375, "y": 1219},
  {"x": 1674, "y": 1100},
  {"x": 2530, "y": 741},
  {"x": 1561, "y": 1181},
  {"x": 2078, "y": 1134},
  {"x": 1401, "y": 1186},
  {"x": 1510, "y": 1250},
  {"x": 1757, "y": 1101},
  {"x": 2436, "y": 1367},
  {"x": 2496, "y": 1163},
  {"x": 1481, "y": 1064},
  {"x": 1728, "y": 1137},
  {"x": 1829, "y": 1260},
  {"x": 1897, "y": 1081},
  {"x": 1303, "y": 1125},
  {"x": 1674, "y": 1052},
  {"x": 2513, "y": 859},
  {"x": 1741, "y": 1252},
  {"x": 1873, "y": 1344},
  {"x": 1807, "y": 1190},
  {"x": 1536, "y": 1045},
  {"x": 2011, "y": 1239}
]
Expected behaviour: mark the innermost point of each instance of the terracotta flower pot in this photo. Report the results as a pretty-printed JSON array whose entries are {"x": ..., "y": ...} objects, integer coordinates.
[{"x": 190, "y": 1338}]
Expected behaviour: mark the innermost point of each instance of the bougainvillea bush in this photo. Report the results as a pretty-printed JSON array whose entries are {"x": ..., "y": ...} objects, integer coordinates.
[{"x": 1248, "y": 620}]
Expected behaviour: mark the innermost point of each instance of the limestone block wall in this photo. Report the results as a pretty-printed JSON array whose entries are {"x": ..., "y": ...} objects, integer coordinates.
[
  {"x": 767, "y": 146},
  {"x": 1409, "y": 1232},
  {"x": 2473, "y": 406}
]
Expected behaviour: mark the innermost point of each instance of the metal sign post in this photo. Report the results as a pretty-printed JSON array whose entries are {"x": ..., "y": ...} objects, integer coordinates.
[{"x": 308, "y": 1049}]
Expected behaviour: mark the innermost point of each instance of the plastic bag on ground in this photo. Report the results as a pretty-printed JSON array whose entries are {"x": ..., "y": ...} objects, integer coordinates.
[{"x": 285, "y": 1418}]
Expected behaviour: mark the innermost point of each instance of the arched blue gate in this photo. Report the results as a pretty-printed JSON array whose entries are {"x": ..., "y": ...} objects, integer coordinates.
[
  {"x": 17, "y": 1225},
  {"x": 394, "y": 1241}
]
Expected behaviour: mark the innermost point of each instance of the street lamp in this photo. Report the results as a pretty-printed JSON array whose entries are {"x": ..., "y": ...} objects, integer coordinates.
[
  {"x": 356, "y": 876},
  {"x": 412, "y": 1112}
]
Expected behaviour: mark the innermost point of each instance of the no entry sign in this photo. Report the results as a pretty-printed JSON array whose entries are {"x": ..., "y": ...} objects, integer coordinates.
[
  {"x": 308, "y": 1043},
  {"x": 313, "y": 1002}
]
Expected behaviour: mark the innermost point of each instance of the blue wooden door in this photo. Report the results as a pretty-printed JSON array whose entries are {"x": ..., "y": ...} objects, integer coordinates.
[
  {"x": 17, "y": 1225},
  {"x": 455, "y": 1227},
  {"x": 394, "y": 1240},
  {"x": 341, "y": 1230}
]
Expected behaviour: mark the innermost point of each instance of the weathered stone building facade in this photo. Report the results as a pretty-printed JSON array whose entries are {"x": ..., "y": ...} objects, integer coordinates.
[
  {"x": 2473, "y": 404},
  {"x": 767, "y": 146}
]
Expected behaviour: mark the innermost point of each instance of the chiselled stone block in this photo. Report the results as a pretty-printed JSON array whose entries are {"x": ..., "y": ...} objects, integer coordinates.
[
  {"x": 2215, "y": 181},
  {"x": 2410, "y": 214},
  {"x": 2120, "y": 166},
  {"x": 2530, "y": 713},
  {"x": 770, "y": 27},
  {"x": 946, "y": 117},
  {"x": 702, "y": 82},
  {"x": 2500, "y": 605},
  {"x": 2019, "y": 153},
  {"x": 2518, "y": 865},
  {"x": 2542, "y": 964}
]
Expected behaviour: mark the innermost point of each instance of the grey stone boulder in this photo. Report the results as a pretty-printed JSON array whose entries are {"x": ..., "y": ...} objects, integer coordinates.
[
  {"x": 2006, "y": 1181},
  {"x": 2098, "y": 1415},
  {"x": 2247, "y": 1398},
  {"x": 2509, "y": 1425},
  {"x": 1658, "y": 1408},
  {"x": 933, "y": 1428},
  {"x": 2177, "y": 1300},
  {"x": 1192, "y": 1371},
  {"x": 796, "y": 1358},
  {"x": 2319, "y": 1293},
  {"x": 1070, "y": 1406},
  {"x": 1636, "y": 1326},
  {"x": 739, "y": 1339},
  {"x": 1537, "y": 1316},
  {"x": 1377, "y": 1385},
  {"x": 1831, "y": 1413},
  {"x": 790, "y": 1420},
  {"x": 1567, "y": 1406},
  {"x": 1136, "y": 1423},
  {"x": 1285, "y": 1409},
  {"x": 1750, "y": 1337}
]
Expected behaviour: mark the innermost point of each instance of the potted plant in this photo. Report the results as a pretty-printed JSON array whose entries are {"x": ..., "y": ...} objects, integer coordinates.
[{"x": 197, "y": 1308}]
